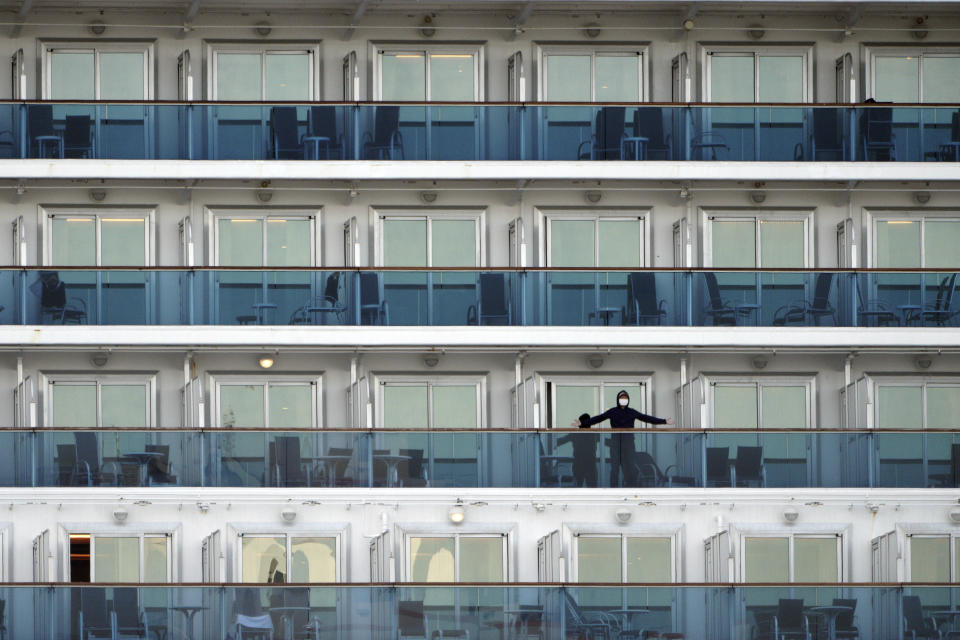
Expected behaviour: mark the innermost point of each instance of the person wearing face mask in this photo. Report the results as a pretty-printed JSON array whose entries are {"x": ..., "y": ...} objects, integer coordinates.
[{"x": 622, "y": 451}]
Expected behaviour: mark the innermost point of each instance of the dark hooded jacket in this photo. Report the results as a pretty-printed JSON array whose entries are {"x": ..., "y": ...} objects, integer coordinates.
[{"x": 624, "y": 417}]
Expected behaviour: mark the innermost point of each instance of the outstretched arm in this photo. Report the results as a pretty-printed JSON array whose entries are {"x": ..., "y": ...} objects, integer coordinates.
[
  {"x": 642, "y": 417},
  {"x": 600, "y": 418}
]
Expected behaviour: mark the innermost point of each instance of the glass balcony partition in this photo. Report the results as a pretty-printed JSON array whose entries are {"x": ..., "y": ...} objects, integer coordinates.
[
  {"x": 454, "y": 458},
  {"x": 470, "y": 131},
  {"x": 483, "y": 610},
  {"x": 466, "y": 296}
]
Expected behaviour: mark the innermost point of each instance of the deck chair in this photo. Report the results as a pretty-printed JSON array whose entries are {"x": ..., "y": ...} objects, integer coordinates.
[
  {"x": 592, "y": 625},
  {"x": 45, "y": 140},
  {"x": 707, "y": 141},
  {"x": 648, "y": 474},
  {"x": 66, "y": 462},
  {"x": 643, "y": 306},
  {"x": 94, "y": 621},
  {"x": 302, "y": 625},
  {"x": 789, "y": 621},
  {"x": 385, "y": 142},
  {"x": 285, "y": 133},
  {"x": 826, "y": 137},
  {"x": 78, "y": 137},
  {"x": 493, "y": 301},
  {"x": 748, "y": 467},
  {"x": 872, "y": 312},
  {"x": 718, "y": 467},
  {"x": 159, "y": 470},
  {"x": 322, "y": 134},
  {"x": 950, "y": 151},
  {"x": 952, "y": 478},
  {"x": 648, "y": 123},
  {"x": 845, "y": 628},
  {"x": 942, "y": 311},
  {"x": 722, "y": 311},
  {"x": 412, "y": 624},
  {"x": 87, "y": 470},
  {"x": 380, "y": 468},
  {"x": 412, "y": 472},
  {"x": 126, "y": 618},
  {"x": 606, "y": 143},
  {"x": 251, "y": 621},
  {"x": 287, "y": 465},
  {"x": 329, "y": 303},
  {"x": 876, "y": 132},
  {"x": 798, "y": 312},
  {"x": 55, "y": 306},
  {"x": 915, "y": 625},
  {"x": 373, "y": 306}
]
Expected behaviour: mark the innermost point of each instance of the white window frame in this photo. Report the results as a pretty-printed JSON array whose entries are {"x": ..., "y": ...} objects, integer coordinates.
[
  {"x": 215, "y": 215},
  {"x": 213, "y": 49},
  {"x": 909, "y": 531},
  {"x": 839, "y": 531},
  {"x": 871, "y": 53},
  {"x": 476, "y": 214},
  {"x": 873, "y": 216},
  {"x": 148, "y": 48},
  {"x": 894, "y": 380},
  {"x": 549, "y": 380},
  {"x": 506, "y": 532},
  {"x": 381, "y": 380},
  {"x": 544, "y": 217},
  {"x": 708, "y": 50},
  {"x": 170, "y": 531},
  {"x": 315, "y": 380},
  {"x": 339, "y": 531},
  {"x": 98, "y": 214},
  {"x": 476, "y": 49},
  {"x": 625, "y": 49},
  {"x": 673, "y": 532},
  {"x": 806, "y": 216},
  {"x": 48, "y": 380},
  {"x": 809, "y": 381},
  {"x": 5, "y": 539}
]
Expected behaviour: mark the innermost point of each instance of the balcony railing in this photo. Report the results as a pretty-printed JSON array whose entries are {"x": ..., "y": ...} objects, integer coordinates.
[
  {"x": 484, "y": 611},
  {"x": 326, "y": 459},
  {"x": 485, "y": 131},
  {"x": 528, "y": 297}
]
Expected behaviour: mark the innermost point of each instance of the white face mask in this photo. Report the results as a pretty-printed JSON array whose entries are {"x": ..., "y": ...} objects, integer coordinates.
[{"x": 623, "y": 401}]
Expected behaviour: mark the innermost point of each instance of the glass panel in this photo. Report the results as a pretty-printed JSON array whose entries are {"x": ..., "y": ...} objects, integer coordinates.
[
  {"x": 431, "y": 560},
  {"x": 154, "y": 559},
  {"x": 648, "y": 560},
  {"x": 241, "y": 405},
  {"x": 898, "y": 244},
  {"x": 731, "y": 78},
  {"x": 943, "y": 407},
  {"x": 941, "y": 239},
  {"x": 121, "y": 76},
  {"x": 287, "y": 76},
  {"x": 734, "y": 407},
  {"x": 313, "y": 560},
  {"x": 240, "y": 242},
  {"x": 572, "y": 400},
  {"x": 899, "y": 407},
  {"x": 71, "y": 76},
  {"x": 455, "y": 407},
  {"x": 451, "y": 77},
  {"x": 291, "y": 406},
  {"x": 263, "y": 558},
  {"x": 620, "y": 242},
  {"x": 896, "y": 78},
  {"x": 122, "y": 242},
  {"x": 784, "y": 407},
  {"x": 940, "y": 79},
  {"x": 454, "y": 243},
  {"x": 781, "y": 244},
  {"x": 239, "y": 76},
  {"x": 288, "y": 243},
  {"x": 618, "y": 78},
  {"x": 598, "y": 559},
  {"x": 766, "y": 560},
  {"x": 403, "y": 76},
  {"x": 74, "y": 241},
  {"x": 734, "y": 243},
  {"x": 74, "y": 405},
  {"x": 780, "y": 78},
  {"x": 930, "y": 559},
  {"x": 568, "y": 78},
  {"x": 404, "y": 243},
  {"x": 815, "y": 560},
  {"x": 405, "y": 406},
  {"x": 123, "y": 405},
  {"x": 572, "y": 243},
  {"x": 116, "y": 559},
  {"x": 481, "y": 559}
]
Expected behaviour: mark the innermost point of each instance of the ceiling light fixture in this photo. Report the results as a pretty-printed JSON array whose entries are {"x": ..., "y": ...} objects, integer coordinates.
[
  {"x": 457, "y": 513},
  {"x": 266, "y": 361},
  {"x": 262, "y": 29}
]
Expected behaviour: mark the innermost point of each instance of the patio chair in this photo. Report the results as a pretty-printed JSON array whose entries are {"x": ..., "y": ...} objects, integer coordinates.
[
  {"x": 718, "y": 467},
  {"x": 45, "y": 140},
  {"x": 648, "y": 123},
  {"x": 942, "y": 311},
  {"x": 643, "y": 306},
  {"x": 78, "y": 137},
  {"x": 412, "y": 472},
  {"x": 322, "y": 134},
  {"x": 127, "y": 618},
  {"x": 722, "y": 311},
  {"x": 606, "y": 143},
  {"x": 285, "y": 141},
  {"x": 385, "y": 142},
  {"x": 748, "y": 467},
  {"x": 876, "y": 133},
  {"x": 845, "y": 628},
  {"x": 329, "y": 303},
  {"x": 373, "y": 306},
  {"x": 159, "y": 470},
  {"x": 915, "y": 624},
  {"x": 826, "y": 136},
  {"x": 94, "y": 621},
  {"x": 789, "y": 621},
  {"x": 493, "y": 301},
  {"x": 798, "y": 312}
]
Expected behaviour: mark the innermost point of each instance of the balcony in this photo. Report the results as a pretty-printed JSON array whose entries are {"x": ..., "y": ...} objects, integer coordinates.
[
  {"x": 387, "y": 458},
  {"x": 483, "y": 131},
  {"x": 484, "y": 611},
  {"x": 528, "y": 297}
]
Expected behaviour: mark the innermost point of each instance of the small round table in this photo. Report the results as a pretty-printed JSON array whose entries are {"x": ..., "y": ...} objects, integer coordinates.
[
  {"x": 391, "y": 461},
  {"x": 329, "y": 466},
  {"x": 829, "y": 614},
  {"x": 188, "y": 611},
  {"x": 142, "y": 458},
  {"x": 626, "y": 618},
  {"x": 286, "y": 614}
]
